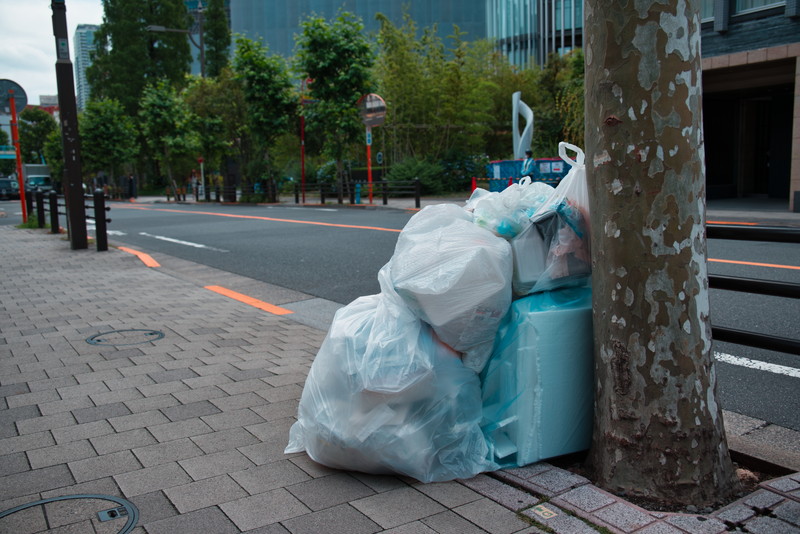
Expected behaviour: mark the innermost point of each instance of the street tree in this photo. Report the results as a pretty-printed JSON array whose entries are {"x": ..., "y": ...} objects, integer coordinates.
[
  {"x": 217, "y": 38},
  {"x": 35, "y": 124},
  {"x": 128, "y": 56},
  {"x": 54, "y": 154},
  {"x": 108, "y": 138},
  {"x": 658, "y": 426},
  {"x": 221, "y": 115},
  {"x": 338, "y": 58},
  {"x": 7, "y": 166},
  {"x": 271, "y": 102},
  {"x": 167, "y": 126}
]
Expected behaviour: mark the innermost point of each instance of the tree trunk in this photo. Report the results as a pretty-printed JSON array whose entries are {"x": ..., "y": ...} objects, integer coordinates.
[{"x": 658, "y": 427}]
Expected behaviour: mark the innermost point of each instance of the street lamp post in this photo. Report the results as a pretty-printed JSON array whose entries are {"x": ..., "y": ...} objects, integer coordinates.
[{"x": 200, "y": 46}]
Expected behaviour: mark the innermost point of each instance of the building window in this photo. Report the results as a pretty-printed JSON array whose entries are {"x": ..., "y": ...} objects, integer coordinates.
[
  {"x": 744, "y": 6},
  {"x": 706, "y": 10}
]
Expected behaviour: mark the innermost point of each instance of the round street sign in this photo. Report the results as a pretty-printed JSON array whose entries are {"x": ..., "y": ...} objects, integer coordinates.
[
  {"x": 372, "y": 109},
  {"x": 379, "y": 158},
  {"x": 9, "y": 88}
]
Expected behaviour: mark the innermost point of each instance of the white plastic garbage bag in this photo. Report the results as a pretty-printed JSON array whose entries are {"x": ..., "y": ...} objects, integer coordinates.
[
  {"x": 508, "y": 212},
  {"x": 455, "y": 276},
  {"x": 554, "y": 251},
  {"x": 538, "y": 387},
  {"x": 385, "y": 396}
]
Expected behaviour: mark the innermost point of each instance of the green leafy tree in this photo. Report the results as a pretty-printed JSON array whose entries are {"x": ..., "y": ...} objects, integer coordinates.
[
  {"x": 217, "y": 38},
  {"x": 54, "y": 154},
  {"x": 167, "y": 126},
  {"x": 271, "y": 102},
  {"x": 338, "y": 58},
  {"x": 128, "y": 56},
  {"x": 108, "y": 137},
  {"x": 35, "y": 124},
  {"x": 221, "y": 115}
]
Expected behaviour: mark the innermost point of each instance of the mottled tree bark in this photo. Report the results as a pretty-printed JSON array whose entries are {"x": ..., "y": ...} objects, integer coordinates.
[{"x": 658, "y": 427}]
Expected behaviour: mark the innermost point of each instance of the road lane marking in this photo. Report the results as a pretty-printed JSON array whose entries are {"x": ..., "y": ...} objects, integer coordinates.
[
  {"x": 754, "y": 264},
  {"x": 758, "y": 365},
  {"x": 179, "y": 242},
  {"x": 146, "y": 258},
  {"x": 261, "y": 305},
  {"x": 734, "y": 223},
  {"x": 259, "y": 218}
]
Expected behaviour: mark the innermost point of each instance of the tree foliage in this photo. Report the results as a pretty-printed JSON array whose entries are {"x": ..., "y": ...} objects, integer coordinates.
[
  {"x": 128, "y": 56},
  {"x": 35, "y": 124},
  {"x": 338, "y": 58},
  {"x": 168, "y": 127},
  {"x": 108, "y": 137},
  {"x": 217, "y": 37},
  {"x": 271, "y": 103}
]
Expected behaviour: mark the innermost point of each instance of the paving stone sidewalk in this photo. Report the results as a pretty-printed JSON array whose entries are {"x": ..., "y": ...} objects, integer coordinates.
[{"x": 118, "y": 380}]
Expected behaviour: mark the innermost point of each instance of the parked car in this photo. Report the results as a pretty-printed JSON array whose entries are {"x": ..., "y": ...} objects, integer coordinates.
[
  {"x": 9, "y": 189},
  {"x": 43, "y": 183}
]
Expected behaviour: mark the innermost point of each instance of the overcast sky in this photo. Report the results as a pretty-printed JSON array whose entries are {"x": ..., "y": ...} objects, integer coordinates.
[{"x": 27, "y": 45}]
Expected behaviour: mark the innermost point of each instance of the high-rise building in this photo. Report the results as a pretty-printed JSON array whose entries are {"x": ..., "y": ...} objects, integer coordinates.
[
  {"x": 527, "y": 31},
  {"x": 277, "y": 21},
  {"x": 83, "y": 42},
  {"x": 198, "y": 9}
]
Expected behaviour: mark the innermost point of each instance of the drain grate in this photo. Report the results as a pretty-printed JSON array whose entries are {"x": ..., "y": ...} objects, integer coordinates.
[{"x": 133, "y": 336}]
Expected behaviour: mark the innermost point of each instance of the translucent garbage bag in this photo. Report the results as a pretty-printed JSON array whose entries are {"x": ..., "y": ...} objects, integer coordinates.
[
  {"x": 538, "y": 387},
  {"x": 455, "y": 276},
  {"x": 508, "y": 212},
  {"x": 554, "y": 250},
  {"x": 369, "y": 405}
]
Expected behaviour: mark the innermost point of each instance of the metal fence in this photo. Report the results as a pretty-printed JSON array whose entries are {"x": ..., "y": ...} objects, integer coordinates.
[
  {"x": 56, "y": 206},
  {"x": 777, "y": 234}
]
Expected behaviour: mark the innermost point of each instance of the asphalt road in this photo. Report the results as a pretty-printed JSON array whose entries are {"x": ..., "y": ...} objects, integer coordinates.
[{"x": 335, "y": 254}]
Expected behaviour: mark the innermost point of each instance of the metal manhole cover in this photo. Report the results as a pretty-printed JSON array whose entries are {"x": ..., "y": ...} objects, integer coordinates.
[{"x": 133, "y": 336}]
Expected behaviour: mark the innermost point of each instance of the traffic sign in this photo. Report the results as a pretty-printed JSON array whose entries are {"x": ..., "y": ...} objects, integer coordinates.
[{"x": 379, "y": 158}]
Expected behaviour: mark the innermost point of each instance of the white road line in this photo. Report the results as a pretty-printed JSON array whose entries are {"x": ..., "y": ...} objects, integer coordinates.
[
  {"x": 755, "y": 364},
  {"x": 115, "y": 232},
  {"x": 179, "y": 242}
]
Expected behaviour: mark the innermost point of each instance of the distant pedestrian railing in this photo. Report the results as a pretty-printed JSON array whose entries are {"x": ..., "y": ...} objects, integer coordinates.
[
  {"x": 777, "y": 234},
  {"x": 56, "y": 206},
  {"x": 359, "y": 192}
]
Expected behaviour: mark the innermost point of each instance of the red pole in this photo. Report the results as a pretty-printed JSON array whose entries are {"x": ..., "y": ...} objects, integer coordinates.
[
  {"x": 474, "y": 184},
  {"x": 303, "y": 155},
  {"x": 369, "y": 162},
  {"x": 15, "y": 142}
]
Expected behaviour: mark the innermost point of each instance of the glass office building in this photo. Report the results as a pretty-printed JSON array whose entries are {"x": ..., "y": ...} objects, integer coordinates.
[
  {"x": 83, "y": 43},
  {"x": 278, "y": 21},
  {"x": 527, "y": 31}
]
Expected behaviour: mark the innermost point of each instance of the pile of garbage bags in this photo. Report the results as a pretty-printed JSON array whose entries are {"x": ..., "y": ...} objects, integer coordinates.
[{"x": 453, "y": 369}]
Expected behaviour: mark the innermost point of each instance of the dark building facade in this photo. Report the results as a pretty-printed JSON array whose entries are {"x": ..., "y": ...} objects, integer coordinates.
[{"x": 751, "y": 99}]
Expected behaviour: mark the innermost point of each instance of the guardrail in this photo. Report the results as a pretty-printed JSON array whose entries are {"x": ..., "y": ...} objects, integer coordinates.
[
  {"x": 777, "y": 234},
  {"x": 54, "y": 205},
  {"x": 358, "y": 191}
]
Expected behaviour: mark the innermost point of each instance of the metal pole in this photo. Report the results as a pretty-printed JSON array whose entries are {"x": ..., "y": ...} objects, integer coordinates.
[
  {"x": 15, "y": 142},
  {"x": 202, "y": 46},
  {"x": 101, "y": 231},
  {"x": 369, "y": 162},
  {"x": 39, "y": 208},
  {"x": 73, "y": 190},
  {"x": 53, "y": 212}
]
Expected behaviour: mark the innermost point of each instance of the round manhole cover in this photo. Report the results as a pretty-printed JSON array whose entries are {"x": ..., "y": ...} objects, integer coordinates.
[{"x": 132, "y": 336}]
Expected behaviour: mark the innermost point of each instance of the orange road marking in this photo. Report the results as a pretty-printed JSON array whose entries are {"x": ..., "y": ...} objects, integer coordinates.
[
  {"x": 146, "y": 258},
  {"x": 261, "y": 305},
  {"x": 733, "y": 222},
  {"x": 757, "y": 264},
  {"x": 255, "y": 217}
]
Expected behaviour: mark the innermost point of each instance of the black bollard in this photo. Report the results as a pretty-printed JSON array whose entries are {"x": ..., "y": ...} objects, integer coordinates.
[
  {"x": 100, "y": 221},
  {"x": 54, "y": 228},
  {"x": 417, "y": 192},
  {"x": 40, "y": 208}
]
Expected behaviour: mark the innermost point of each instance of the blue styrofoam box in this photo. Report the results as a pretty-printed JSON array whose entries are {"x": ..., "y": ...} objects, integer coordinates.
[{"x": 538, "y": 386}]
